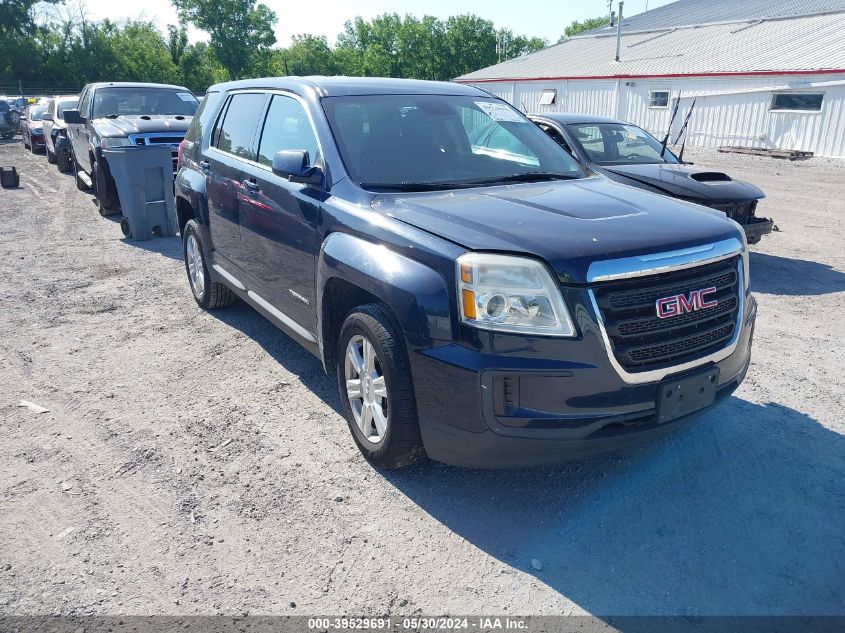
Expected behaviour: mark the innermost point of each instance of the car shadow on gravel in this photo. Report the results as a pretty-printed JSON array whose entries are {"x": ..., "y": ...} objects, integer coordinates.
[
  {"x": 771, "y": 274},
  {"x": 739, "y": 513},
  {"x": 284, "y": 350}
]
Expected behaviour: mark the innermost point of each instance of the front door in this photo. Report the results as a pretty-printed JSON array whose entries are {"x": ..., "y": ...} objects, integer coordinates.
[{"x": 279, "y": 218}]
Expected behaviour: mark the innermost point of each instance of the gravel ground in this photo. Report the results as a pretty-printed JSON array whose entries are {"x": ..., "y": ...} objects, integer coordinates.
[{"x": 198, "y": 463}]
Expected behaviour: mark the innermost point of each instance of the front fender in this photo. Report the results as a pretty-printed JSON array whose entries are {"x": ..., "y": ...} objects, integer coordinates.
[{"x": 417, "y": 295}]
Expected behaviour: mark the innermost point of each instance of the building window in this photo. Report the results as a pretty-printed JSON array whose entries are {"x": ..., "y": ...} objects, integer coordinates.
[
  {"x": 548, "y": 97},
  {"x": 658, "y": 99},
  {"x": 805, "y": 101}
]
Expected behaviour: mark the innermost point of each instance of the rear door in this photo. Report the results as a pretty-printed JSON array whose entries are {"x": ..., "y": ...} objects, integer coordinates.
[
  {"x": 233, "y": 143},
  {"x": 279, "y": 217}
]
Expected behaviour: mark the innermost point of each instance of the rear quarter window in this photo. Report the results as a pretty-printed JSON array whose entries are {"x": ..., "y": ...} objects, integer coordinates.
[{"x": 203, "y": 116}]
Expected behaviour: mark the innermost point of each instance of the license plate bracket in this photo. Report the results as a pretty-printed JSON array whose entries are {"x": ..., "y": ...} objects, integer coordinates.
[{"x": 681, "y": 396}]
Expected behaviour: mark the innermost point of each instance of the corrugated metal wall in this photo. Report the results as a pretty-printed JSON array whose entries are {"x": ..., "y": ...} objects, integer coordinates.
[{"x": 728, "y": 111}]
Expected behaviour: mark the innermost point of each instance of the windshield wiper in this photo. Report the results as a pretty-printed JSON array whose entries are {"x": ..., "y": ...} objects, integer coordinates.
[
  {"x": 412, "y": 186},
  {"x": 531, "y": 176}
]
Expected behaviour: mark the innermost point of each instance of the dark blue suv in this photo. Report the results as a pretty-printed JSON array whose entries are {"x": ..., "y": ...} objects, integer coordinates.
[{"x": 480, "y": 298}]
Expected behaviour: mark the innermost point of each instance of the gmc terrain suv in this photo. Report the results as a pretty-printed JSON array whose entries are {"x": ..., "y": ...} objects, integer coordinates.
[
  {"x": 123, "y": 114},
  {"x": 482, "y": 310}
]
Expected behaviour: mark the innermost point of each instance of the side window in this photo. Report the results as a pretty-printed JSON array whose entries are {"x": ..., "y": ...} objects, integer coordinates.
[
  {"x": 84, "y": 103},
  {"x": 287, "y": 127},
  {"x": 236, "y": 131}
]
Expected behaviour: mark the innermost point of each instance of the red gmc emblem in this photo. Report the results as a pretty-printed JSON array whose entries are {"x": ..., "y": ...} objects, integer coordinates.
[{"x": 678, "y": 304}]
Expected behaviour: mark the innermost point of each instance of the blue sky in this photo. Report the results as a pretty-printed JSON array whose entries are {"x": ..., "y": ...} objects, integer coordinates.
[{"x": 326, "y": 17}]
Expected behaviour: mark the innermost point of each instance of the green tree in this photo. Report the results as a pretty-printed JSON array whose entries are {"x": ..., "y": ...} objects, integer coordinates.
[
  {"x": 470, "y": 44},
  {"x": 200, "y": 68},
  {"x": 177, "y": 42},
  {"x": 579, "y": 27},
  {"x": 307, "y": 55},
  {"x": 240, "y": 30}
]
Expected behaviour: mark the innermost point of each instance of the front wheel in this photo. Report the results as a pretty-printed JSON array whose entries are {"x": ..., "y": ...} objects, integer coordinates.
[
  {"x": 51, "y": 156},
  {"x": 374, "y": 379},
  {"x": 105, "y": 189}
]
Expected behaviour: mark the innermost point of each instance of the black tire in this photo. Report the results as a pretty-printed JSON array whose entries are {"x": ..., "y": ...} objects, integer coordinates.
[
  {"x": 32, "y": 147},
  {"x": 401, "y": 444},
  {"x": 105, "y": 189},
  {"x": 23, "y": 140},
  {"x": 51, "y": 156},
  {"x": 214, "y": 294},
  {"x": 63, "y": 162}
]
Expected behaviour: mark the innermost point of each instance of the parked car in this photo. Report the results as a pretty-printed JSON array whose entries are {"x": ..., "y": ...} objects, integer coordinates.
[
  {"x": 32, "y": 131},
  {"x": 123, "y": 114},
  {"x": 55, "y": 131},
  {"x": 628, "y": 154},
  {"x": 9, "y": 120},
  {"x": 475, "y": 308}
]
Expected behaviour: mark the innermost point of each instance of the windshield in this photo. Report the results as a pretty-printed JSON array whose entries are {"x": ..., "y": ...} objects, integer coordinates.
[
  {"x": 429, "y": 141},
  {"x": 36, "y": 112},
  {"x": 121, "y": 101},
  {"x": 619, "y": 144},
  {"x": 70, "y": 104}
]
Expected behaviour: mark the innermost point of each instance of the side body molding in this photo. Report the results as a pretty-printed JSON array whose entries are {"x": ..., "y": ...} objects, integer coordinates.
[{"x": 417, "y": 294}]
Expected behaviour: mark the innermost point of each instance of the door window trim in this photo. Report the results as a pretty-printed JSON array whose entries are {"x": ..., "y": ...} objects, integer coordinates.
[
  {"x": 255, "y": 163},
  {"x": 221, "y": 118},
  {"x": 302, "y": 104}
]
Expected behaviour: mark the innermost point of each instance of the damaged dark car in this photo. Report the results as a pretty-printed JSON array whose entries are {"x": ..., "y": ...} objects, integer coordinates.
[{"x": 628, "y": 154}]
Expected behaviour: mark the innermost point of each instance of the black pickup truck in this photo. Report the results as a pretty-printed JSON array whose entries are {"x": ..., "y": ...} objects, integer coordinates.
[
  {"x": 481, "y": 309},
  {"x": 121, "y": 114}
]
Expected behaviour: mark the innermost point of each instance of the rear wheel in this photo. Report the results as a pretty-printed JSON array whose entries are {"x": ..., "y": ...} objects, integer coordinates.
[
  {"x": 208, "y": 294},
  {"x": 374, "y": 380}
]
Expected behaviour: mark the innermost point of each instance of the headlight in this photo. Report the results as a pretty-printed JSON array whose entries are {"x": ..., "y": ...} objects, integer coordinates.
[
  {"x": 510, "y": 294},
  {"x": 115, "y": 142}
]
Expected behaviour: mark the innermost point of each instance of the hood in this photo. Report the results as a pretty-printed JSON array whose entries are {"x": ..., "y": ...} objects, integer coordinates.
[
  {"x": 569, "y": 224},
  {"x": 688, "y": 181},
  {"x": 125, "y": 125}
]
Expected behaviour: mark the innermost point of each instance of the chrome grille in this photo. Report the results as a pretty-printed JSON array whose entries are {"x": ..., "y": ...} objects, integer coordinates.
[
  {"x": 640, "y": 340},
  {"x": 161, "y": 138}
]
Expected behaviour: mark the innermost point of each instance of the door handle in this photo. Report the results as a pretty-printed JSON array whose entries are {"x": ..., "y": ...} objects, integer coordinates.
[
  {"x": 252, "y": 185},
  {"x": 205, "y": 165}
]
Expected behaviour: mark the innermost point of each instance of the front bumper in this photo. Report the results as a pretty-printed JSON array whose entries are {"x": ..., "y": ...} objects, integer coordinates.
[
  {"x": 517, "y": 408},
  {"x": 757, "y": 228}
]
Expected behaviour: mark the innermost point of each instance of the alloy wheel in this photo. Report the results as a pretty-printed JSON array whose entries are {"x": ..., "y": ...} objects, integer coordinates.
[
  {"x": 196, "y": 269},
  {"x": 366, "y": 389}
]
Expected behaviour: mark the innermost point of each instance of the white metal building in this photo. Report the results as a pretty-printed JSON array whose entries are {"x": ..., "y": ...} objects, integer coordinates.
[{"x": 763, "y": 73}]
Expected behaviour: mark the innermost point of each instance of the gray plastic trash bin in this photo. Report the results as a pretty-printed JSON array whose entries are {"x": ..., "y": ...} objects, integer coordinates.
[{"x": 144, "y": 179}]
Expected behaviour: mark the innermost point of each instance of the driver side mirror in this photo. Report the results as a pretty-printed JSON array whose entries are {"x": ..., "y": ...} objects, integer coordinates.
[
  {"x": 73, "y": 116},
  {"x": 46, "y": 117},
  {"x": 295, "y": 165}
]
